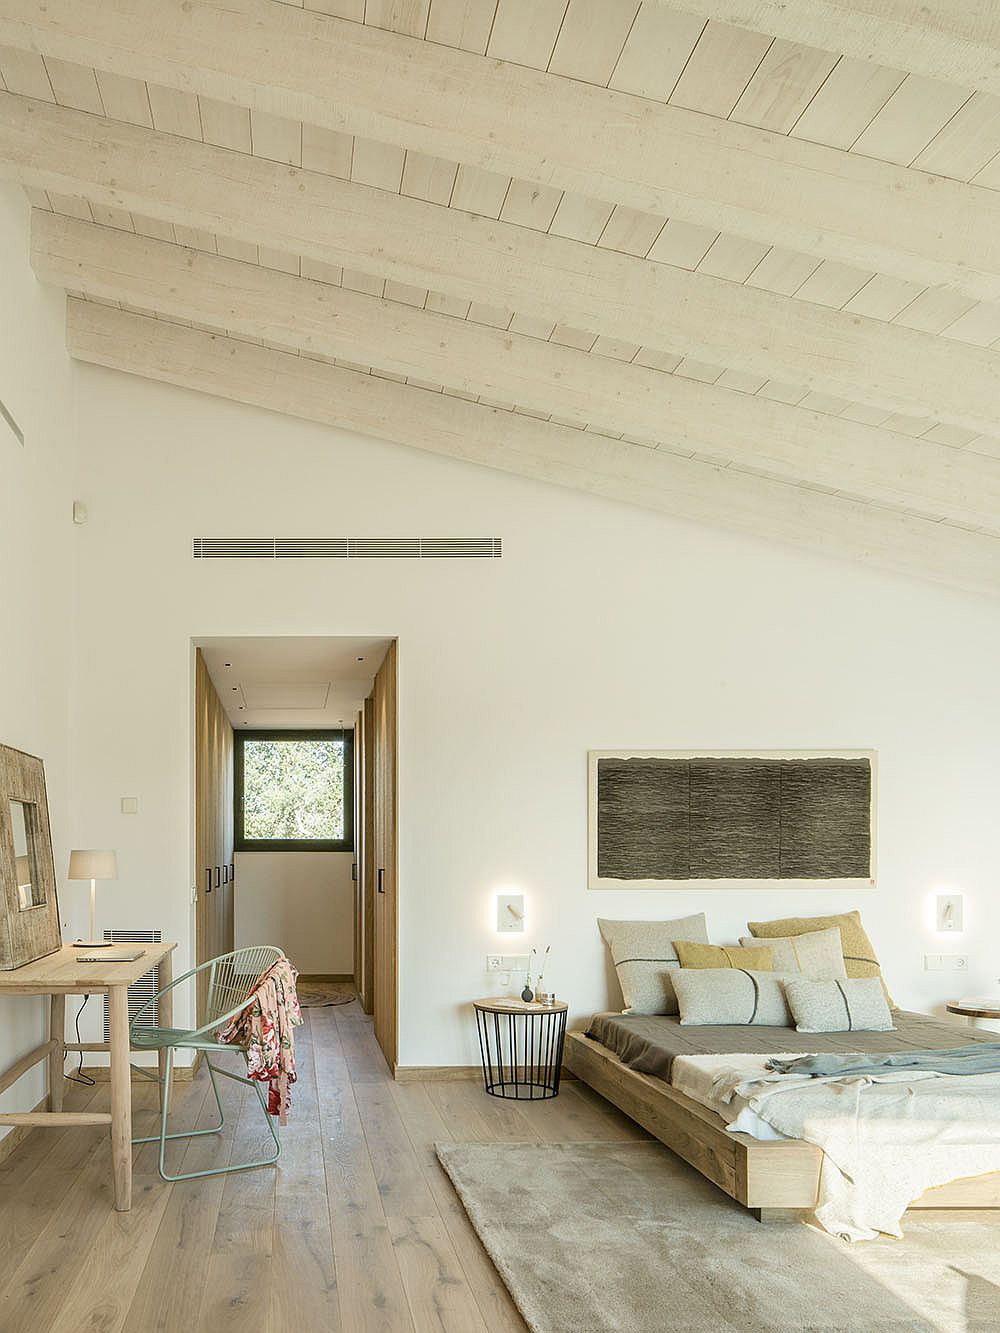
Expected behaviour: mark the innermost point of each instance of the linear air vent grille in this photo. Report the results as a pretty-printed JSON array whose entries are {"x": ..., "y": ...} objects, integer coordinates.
[
  {"x": 348, "y": 548},
  {"x": 145, "y": 988}
]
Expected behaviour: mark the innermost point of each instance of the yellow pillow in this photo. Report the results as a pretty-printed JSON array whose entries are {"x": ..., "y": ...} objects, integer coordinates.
[
  {"x": 693, "y": 954},
  {"x": 859, "y": 955}
]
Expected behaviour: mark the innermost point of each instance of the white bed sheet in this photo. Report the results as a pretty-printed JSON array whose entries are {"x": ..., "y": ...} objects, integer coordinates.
[{"x": 694, "y": 1075}]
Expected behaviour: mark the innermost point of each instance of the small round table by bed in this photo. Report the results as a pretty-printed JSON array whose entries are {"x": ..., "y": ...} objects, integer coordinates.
[
  {"x": 983, "y": 1013},
  {"x": 522, "y": 1047}
]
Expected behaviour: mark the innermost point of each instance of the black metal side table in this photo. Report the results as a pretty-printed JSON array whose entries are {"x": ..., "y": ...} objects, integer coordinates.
[{"x": 522, "y": 1047}]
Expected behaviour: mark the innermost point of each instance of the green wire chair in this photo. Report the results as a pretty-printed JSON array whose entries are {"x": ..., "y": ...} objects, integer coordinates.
[{"x": 232, "y": 978}]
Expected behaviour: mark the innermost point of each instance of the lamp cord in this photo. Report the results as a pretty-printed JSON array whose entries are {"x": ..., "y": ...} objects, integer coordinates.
[{"x": 80, "y": 1076}]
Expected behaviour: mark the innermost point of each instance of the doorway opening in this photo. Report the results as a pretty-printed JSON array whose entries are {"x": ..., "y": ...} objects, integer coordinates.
[{"x": 295, "y": 810}]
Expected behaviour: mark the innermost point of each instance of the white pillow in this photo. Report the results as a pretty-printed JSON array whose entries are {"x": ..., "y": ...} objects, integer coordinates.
[
  {"x": 855, "y": 1004},
  {"x": 730, "y": 997},
  {"x": 817, "y": 953},
  {"x": 646, "y": 961}
]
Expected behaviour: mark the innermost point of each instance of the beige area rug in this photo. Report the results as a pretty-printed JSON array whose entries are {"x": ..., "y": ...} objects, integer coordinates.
[
  {"x": 627, "y": 1238},
  {"x": 320, "y": 994}
]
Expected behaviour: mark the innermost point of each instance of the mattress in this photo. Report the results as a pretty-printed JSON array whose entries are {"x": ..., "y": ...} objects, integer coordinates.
[{"x": 649, "y": 1043}]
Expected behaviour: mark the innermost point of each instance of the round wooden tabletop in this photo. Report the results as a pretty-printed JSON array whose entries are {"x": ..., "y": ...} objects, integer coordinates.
[
  {"x": 975, "y": 1008},
  {"x": 511, "y": 1004}
]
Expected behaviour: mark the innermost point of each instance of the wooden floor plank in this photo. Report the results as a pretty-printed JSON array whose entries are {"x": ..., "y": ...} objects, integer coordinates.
[
  {"x": 169, "y": 1293},
  {"x": 103, "y": 1291},
  {"x": 238, "y": 1279},
  {"x": 425, "y": 1127},
  {"x": 369, "y": 1284},
  {"x": 303, "y": 1274},
  {"x": 42, "y": 1283}
]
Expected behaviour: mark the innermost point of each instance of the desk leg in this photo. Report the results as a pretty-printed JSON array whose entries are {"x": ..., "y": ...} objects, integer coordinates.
[
  {"x": 57, "y": 1058},
  {"x": 165, "y": 1017},
  {"x": 121, "y": 1098}
]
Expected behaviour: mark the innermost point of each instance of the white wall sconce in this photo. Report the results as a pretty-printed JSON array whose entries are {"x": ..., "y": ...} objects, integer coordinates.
[
  {"x": 510, "y": 912},
  {"x": 949, "y": 912}
]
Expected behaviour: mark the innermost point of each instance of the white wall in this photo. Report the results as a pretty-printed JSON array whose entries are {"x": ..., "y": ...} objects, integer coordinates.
[
  {"x": 602, "y": 627},
  {"x": 36, "y": 574},
  {"x": 301, "y": 901}
]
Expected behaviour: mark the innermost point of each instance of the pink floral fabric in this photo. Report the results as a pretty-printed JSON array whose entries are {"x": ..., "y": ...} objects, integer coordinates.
[{"x": 264, "y": 1028}]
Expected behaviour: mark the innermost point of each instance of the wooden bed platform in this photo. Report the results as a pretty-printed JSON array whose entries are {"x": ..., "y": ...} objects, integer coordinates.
[{"x": 760, "y": 1175}]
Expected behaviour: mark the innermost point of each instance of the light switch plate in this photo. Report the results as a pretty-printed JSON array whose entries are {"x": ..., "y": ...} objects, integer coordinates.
[{"x": 130, "y": 805}]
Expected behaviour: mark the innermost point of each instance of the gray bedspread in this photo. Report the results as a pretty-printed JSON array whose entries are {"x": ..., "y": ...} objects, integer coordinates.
[{"x": 649, "y": 1043}]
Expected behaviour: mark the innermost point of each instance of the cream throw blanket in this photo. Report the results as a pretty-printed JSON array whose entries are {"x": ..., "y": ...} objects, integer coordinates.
[{"x": 886, "y": 1138}]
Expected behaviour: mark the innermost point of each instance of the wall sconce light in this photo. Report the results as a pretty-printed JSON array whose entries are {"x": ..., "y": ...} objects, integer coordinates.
[
  {"x": 949, "y": 912},
  {"x": 510, "y": 912}
]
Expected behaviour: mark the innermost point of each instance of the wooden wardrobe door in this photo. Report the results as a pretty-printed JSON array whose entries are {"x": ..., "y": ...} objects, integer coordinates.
[
  {"x": 368, "y": 869},
  {"x": 385, "y": 996}
]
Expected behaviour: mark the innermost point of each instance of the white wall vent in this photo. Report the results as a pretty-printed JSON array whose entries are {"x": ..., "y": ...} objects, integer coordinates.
[
  {"x": 145, "y": 988},
  {"x": 348, "y": 548}
]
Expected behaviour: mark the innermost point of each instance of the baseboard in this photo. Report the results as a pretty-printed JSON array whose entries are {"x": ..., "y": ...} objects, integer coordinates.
[
  {"x": 16, "y": 1136},
  {"x": 102, "y": 1073},
  {"x": 326, "y": 976},
  {"x": 437, "y": 1073},
  {"x": 450, "y": 1073}
]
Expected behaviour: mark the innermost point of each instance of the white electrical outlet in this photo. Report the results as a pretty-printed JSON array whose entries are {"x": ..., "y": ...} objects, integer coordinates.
[
  {"x": 494, "y": 962},
  {"x": 946, "y": 962}
]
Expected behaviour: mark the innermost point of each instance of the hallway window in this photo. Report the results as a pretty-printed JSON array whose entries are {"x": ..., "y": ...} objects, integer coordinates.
[{"x": 294, "y": 791}]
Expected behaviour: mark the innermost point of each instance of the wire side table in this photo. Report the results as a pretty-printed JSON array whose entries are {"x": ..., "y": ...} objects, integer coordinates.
[{"x": 522, "y": 1047}]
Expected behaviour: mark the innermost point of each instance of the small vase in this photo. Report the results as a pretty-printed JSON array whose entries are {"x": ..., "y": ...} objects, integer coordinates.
[{"x": 527, "y": 995}]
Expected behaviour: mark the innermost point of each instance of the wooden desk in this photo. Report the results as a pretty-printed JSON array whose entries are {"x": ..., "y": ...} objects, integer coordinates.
[{"x": 61, "y": 974}]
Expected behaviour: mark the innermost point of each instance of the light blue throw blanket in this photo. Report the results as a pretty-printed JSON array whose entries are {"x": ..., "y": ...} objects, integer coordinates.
[{"x": 980, "y": 1058}]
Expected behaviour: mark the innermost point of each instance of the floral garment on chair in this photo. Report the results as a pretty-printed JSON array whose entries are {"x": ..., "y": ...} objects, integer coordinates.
[{"x": 264, "y": 1028}]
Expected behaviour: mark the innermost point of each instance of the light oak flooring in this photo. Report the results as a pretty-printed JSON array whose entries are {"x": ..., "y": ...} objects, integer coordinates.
[{"x": 357, "y": 1229}]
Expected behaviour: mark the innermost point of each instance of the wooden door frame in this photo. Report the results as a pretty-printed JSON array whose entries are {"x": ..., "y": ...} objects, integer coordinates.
[{"x": 386, "y": 999}]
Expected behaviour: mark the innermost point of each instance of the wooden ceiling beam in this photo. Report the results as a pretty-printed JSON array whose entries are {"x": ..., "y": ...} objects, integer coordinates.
[
  {"x": 618, "y": 397},
  {"x": 959, "y": 43},
  {"x": 315, "y": 391},
  {"x": 344, "y": 223},
  {"x": 541, "y": 127}
]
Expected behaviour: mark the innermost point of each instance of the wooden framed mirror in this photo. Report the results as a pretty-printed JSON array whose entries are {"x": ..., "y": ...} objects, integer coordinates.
[{"x": 29, "y": 920}]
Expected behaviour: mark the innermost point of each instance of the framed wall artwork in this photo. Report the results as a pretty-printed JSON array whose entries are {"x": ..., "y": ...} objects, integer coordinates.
[{"x": 708, "y": 818}]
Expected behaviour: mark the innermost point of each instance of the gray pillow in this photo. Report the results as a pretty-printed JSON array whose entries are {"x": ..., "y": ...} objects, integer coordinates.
[
  {"x": 645, "y": 959},
  {"x": 818, "y": 953},
  {"x": 729, "y": 996},
  {"x": 855, "y": 1004}
]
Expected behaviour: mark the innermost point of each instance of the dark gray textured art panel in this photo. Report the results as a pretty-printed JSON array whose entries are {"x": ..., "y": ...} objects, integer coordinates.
[
  {"x": 642, "y": 818},
  {"x": 735, "y": 819},
  {"x": 825, "y": 824},
  {"x": 681, "y": 818}
]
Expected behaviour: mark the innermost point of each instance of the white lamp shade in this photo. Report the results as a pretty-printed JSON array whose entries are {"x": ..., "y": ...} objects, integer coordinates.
[{"x": 89, "y": 864}]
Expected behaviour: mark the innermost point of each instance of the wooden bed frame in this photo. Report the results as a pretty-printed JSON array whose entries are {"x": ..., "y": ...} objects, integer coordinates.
[{"x": 758, "y": 1174}]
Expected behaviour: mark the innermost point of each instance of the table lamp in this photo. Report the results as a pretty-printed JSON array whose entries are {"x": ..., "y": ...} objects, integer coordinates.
[{"x": 92, "y": 865}]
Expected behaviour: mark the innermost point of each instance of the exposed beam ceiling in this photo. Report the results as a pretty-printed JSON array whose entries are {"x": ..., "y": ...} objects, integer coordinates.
[
  {"x": 455, "y": 428},
  {"x": 543, "y": 128},
  {"x": 955, "y": 40},
  {"x": 618, "y": 397},
  {"x": 342, "y": 222}
]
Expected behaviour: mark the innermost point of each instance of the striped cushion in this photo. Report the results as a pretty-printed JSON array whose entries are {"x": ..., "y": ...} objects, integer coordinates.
[
  {"x": 730, "y": 997},
  {"x": 856, "y": 1005},
  {"x": 645, "y": 959}
]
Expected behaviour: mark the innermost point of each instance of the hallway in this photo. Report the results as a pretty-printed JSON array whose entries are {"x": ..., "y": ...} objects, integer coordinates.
[{"x": 358, "y": 1229}]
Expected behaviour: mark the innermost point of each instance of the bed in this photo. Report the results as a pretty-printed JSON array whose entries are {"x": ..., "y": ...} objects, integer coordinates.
[{"x": 629, "y": 1059}]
